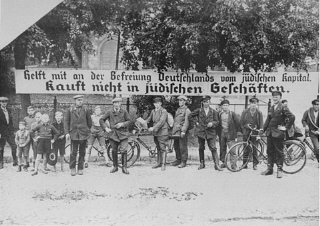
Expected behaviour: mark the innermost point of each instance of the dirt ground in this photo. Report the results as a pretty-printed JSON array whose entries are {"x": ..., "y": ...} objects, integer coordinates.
[{"x": 154, "y": 197}]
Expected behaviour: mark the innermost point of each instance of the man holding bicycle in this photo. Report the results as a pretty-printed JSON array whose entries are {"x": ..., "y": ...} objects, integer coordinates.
[
  {"x": 251, "y": 118},
  {"x": 119, "y": 120},
  {"x": 279, "y": 119},
  {"x": 310, "y": 122}
]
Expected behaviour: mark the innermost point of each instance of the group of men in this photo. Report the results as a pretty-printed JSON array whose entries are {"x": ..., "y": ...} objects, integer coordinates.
[{"x": 211, "y": 126}]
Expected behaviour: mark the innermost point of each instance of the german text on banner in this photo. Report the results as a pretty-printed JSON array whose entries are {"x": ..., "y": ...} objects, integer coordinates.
[{"x": 66, "y": 81}]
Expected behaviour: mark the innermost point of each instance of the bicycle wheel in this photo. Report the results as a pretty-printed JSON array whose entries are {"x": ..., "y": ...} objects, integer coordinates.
[
  {"x": 294, "y": 156},
  {"x": 133, "y": 153},
  {"x": 67, "y": 153},
  {"x": 261, "y": 153},
  {"x": 235, "y": 157}
]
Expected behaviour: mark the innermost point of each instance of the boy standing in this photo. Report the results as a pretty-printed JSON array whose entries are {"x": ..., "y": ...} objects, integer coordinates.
[
  {"x": 29, "y": 120},
  {"x": 96, "y": 133},
  {"x": 22, "y": 140},
  {"x": 34, "y": 137},
  {"x": 60, "y": 144},
  {"x": 45, "y": 132}
]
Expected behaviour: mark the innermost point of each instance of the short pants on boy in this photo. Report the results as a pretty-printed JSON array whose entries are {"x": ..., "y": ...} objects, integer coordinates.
[{"x": 44, "y": 146}]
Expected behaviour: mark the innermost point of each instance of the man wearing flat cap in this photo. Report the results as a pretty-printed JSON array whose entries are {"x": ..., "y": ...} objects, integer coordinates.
[
  {"x": 77, "y": 124},
  {"x": 206, "y": 120},
  {"x": 180, "y": 132},
  {"x": 279, "y": 116},
  {"x": 310, "y": 122},
  {"x": 119, "y": 120},
  {"x": 251, "y": 118},
  {"x": 159, "y": 129},
  {"x": 6, "y": 132},
  {"x": 229, "y": 127}
]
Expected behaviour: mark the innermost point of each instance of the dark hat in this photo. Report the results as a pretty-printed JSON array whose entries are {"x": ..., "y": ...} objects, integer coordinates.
[
  {"x": 77, "y": 96},
  {"x": 276, "y": 93},
  {"x": 314, "y": 102},
  {"x": 284, "y": 101},
  {"x": 224, "y": 102},
  {"x": 157, "y": 99},
  {"x": 206, "y": 98},
  {"x": 253, "y": 100}
]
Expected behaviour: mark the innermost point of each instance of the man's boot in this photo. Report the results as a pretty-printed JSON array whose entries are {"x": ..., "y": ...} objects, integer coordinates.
[
  {"x": 115, "y": 162},
  {"x": 269, "y": 171},
  {"x": 182, "y": 164},
  {"x": 19, "y": 168},
  {"x": 158, "y": 160},
  {"x": 124, "y": 163},
  {"x": 215, "y": 159},
  {"x": 176, "y": 163},
  {"x": 279, "y": 172},
  {"x": 202, "y": 166},
  {"x": 164, "y": 160}
]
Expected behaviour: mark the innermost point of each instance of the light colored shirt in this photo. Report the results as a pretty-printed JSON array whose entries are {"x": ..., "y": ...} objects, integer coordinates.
[
  {"x": 224, "y": 121},
  {"x": 95, "y": 119},
  {"x": 206, "y": 110}
]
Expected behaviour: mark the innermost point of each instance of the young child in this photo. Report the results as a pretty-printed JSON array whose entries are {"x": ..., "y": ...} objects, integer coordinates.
[
  {"x": 45, "y": 133},
  {"x": 34, "y": 137},
  {"x": 22, "y": 140},
  {"x": 60, "y": 143},
  {"x": 29, "y": 120},
  {"x": 96, "y": 133}
]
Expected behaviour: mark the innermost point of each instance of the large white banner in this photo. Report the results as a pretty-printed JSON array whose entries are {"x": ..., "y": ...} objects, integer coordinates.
[{"x": 66, "y": 81}]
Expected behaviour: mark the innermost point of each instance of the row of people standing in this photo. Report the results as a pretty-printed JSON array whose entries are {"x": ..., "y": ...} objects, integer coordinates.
[{"x": 209, "y": 124}]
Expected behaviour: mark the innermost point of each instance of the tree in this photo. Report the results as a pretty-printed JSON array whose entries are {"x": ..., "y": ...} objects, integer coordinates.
[{"x": 240, "y": 35}]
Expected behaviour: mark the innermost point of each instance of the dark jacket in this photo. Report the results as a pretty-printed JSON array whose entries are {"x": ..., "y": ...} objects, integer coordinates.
[
  {"x": 115, "y": 118},
  {"x": 159, "y": 119},
  {"x": 255, "y": 121},
  {"x": 60, "y": 128},
  {"x": 308, "y": 119},
  {"x": 6, "y": 129},
  {"x": 181, "y": 122},
  {"x": 77, "y": 124},
  {"x": 281, "y": 116},
  {"x": 202, "y": 120},
  {"x": 233, "y": 125},
  {"x": 46, "y": 131}
]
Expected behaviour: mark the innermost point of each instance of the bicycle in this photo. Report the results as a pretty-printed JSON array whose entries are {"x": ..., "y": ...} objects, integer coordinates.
[
  {"x": 294, "y": 154},
  {"x": 100, "y": 152},
  {"x": 307, "y": 143},
  {"x": 133, "y": 153}
]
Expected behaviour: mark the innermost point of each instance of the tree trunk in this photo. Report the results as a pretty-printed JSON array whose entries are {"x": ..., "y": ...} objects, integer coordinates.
[{"x": 20, "y": 55}]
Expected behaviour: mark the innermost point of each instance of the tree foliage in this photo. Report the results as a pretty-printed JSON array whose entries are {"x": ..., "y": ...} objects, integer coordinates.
[{"x": 241, "y": 35}]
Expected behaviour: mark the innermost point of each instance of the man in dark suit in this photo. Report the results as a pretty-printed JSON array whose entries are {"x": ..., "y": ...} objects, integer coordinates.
[
  {"x": 310, "y": 122},
  {"x": 77, "y": 124},
  {"x": 229, "y": 129},
  {"x": 180, "y": 132},
  {"x": 206, "y": 125},
  {"x": 279, "y": 119},
  {"x": 251, "y": 118},
  {"x": 6, "y": 132},
  {"x": 119, "y": 120},
  {"x": 159, "y": 131}
]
